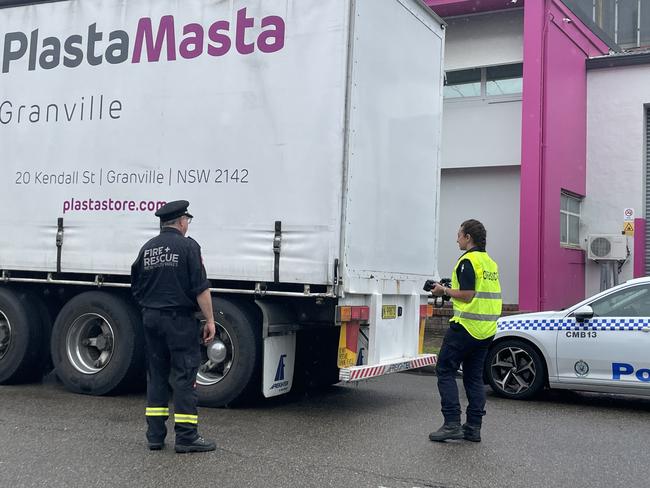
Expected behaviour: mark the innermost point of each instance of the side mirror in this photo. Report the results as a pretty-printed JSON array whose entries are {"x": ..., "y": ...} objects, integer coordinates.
[{"x": 583, "y": 313}]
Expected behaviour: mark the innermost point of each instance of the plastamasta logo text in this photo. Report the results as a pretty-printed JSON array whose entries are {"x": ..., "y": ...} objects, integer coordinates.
[{"x": 167, "y": 40}]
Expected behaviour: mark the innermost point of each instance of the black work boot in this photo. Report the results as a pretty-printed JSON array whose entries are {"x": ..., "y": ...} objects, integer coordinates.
[
  {"x": 447, "y": 431},
  {"x": 199, "y": 445},
  {"x": 156, "y": 446},
  {"x": 472, "y": 432}
]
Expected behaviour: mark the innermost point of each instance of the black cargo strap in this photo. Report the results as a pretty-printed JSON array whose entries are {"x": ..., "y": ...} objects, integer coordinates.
[
  {"x": 277, "y": 244},
  {"x": 59, "y": 243}
]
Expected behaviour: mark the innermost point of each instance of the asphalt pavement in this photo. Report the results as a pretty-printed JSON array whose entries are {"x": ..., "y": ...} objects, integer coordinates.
[{"x": 367, "y": 435}]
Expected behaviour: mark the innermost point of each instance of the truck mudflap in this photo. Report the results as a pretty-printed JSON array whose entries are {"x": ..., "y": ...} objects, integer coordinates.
[{"x": 356, "y": 373}]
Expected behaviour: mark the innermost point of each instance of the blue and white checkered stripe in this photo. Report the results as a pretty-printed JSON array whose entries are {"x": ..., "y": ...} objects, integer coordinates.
[{"x": 603, "y": 323}]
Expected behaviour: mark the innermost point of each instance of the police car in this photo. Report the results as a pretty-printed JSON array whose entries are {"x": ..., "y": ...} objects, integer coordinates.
[{"x": 601, "y": 344}]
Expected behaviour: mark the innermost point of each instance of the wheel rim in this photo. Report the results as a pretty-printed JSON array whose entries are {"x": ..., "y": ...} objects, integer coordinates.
[
  {"x": 513, "y": 370},
  {"x": 89, "y": 343},
  {"x": 5, "y": 334},
  {"x": 211, "y": 372}
]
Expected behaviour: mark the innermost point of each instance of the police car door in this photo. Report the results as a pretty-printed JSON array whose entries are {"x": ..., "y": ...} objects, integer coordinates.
[{"x": 609, "y": 350}]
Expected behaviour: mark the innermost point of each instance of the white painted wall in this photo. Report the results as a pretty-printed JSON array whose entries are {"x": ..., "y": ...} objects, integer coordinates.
[
  {"x": 615, "y": 156},
  {"x": 485, "y": 40},
  {"x": 481, "y": 147},
  {"x": 490, "y": 195},
  {"x": 481, "y": 133}
]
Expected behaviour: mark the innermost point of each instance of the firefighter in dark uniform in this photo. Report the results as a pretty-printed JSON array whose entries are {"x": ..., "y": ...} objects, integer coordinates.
[{"x": 168, "y": 280}]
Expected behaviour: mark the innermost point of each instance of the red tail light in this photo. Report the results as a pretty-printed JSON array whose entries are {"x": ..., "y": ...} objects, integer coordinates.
[{"x": 349, "y": 313}]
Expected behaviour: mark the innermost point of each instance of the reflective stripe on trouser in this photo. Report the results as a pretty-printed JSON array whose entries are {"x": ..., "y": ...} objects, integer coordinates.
[
  {"x": 182, "y": 418},
  {"x": 157, "y": 412},
  {"x": 156, "y": 428},
  {"x": 173, "y": 357}
]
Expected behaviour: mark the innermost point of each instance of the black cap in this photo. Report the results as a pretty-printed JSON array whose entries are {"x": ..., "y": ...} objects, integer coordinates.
[{"x": 173, "y": 210}]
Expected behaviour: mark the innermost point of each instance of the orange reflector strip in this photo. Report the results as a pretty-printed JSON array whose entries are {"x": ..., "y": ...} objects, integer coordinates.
[
  {"x": 352, "y": 313},
  {"x": 345, "y": 314}
]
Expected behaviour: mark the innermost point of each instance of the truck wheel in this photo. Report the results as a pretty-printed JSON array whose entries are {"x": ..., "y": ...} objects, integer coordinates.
[
  {"x": 97, "y": 344},
  {"x": 21, "y": 339},
  {"x": 233, "y": 374},
  {"x": 514, "y": 369}
]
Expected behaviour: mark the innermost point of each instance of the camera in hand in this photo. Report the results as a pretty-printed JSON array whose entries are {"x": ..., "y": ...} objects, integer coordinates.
[{"x": 430, "y": 284}]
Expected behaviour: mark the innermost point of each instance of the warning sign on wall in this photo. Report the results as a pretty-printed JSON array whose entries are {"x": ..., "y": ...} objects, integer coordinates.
[{"x": 628, "y": 228}]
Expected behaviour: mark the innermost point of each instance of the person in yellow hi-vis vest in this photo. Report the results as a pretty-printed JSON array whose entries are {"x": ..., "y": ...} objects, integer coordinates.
[{"x": 476, "y": 296}]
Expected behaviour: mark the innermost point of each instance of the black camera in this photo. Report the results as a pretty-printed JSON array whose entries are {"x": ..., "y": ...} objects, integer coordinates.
[{"x": 430, "y": 284}]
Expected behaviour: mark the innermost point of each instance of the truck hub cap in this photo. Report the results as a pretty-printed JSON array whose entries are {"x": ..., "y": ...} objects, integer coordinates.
[
  {"x": 5, "y": 334},
  {"x": 217, "y": 352},
  {"x": 217, "y": 358},
  {"x": 89, "y": 343},
  {"x": 513, "y": 370}
]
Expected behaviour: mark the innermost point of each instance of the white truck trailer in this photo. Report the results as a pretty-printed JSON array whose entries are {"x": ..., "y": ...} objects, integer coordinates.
[{"x": 305, "y": 134}]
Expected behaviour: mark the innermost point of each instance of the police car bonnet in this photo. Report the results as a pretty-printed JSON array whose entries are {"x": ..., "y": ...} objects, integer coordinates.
[{"x": 173, "y": 210}]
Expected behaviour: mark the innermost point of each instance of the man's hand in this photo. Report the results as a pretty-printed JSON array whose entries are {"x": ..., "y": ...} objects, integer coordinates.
[
  {"x": 208, "y": 332},
  {"x": 204, "y": 300},
  {"x": 438, "y": 290}
]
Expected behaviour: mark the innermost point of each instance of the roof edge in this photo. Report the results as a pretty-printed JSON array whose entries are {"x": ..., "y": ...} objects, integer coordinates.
[{"x": 618, "y": 60}]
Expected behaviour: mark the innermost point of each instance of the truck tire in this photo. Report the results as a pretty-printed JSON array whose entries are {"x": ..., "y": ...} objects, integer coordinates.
[
  {"x": 21, "y": 339},
  {"x": 237, "y": 378},
  {"x": 98, "y": 344},
  {"x": 515, "y": 370}
]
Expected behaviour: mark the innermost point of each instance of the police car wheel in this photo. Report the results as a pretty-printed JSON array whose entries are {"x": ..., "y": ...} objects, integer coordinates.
[
  {"x": 514, "y": 369},
  {"x": 233, "y": 374},
  {"x": 21, "y": 338},
  {"x": 97, "y": 344}
]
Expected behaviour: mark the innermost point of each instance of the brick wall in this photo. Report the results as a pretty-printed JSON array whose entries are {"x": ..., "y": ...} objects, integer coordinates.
[{"x": 439, "y": 322}]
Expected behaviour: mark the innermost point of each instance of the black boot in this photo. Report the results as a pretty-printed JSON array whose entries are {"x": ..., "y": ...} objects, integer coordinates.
[
  {"x": 155, "y": 446},
  {"x": 199, "y": 445},
  {"x": 472, "y": 432},
  {"x": 447, "y": 431}
]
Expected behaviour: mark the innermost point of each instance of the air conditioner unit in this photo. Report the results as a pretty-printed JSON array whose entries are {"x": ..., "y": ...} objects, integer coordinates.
[{"x": 607, "y": 247}]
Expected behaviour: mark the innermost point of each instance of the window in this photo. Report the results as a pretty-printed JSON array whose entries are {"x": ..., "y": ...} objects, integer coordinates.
[
  {"x": 630, "y": 302},
  {"x": 504, "y": 80},
  {"x": 644, "y": 25},
  {"x": 484, "y": 82},
  {"x": 627, "y": 22},
  {"x": 463, "y": 83},
  {"x": 628, "y": 15},
  {"x": 569, "y": 219}
]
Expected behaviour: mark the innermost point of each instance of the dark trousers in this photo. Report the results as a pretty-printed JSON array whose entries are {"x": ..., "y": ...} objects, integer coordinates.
[
  {"x": 173, "y": 357},
  {"x": 459, "y": 347}
]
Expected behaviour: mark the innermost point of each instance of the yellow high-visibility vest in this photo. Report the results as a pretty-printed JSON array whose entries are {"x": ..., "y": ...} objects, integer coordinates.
[{"x": 479, "y": 317}]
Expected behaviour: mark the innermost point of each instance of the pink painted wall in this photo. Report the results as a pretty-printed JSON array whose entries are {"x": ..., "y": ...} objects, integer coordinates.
[
  {"x": 639, "y": 248},
  {"x": 556, "y": 45}
]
